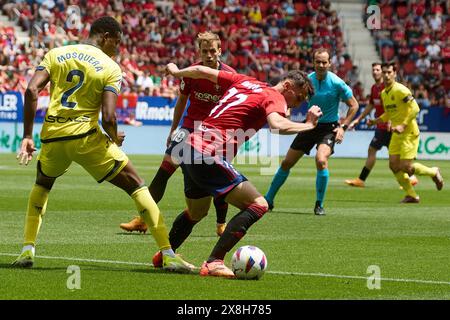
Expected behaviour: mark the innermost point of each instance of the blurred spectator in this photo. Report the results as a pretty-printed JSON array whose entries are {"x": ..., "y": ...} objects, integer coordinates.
[
  {"x": 358, "y": 93},
  {"x": 352, "y": 76},
  {"x": 144, "y": 81},
  {"x": 255, "y": 15},
  {"x": 423, "y": 64},
  {"x": 421, "y": 95},
  {"x": 415, "y": 34},
  {"x": 433, "y": 50}
]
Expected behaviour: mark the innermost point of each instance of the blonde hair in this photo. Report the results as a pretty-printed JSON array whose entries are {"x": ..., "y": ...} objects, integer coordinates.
[{"x": 208, "y": 37}]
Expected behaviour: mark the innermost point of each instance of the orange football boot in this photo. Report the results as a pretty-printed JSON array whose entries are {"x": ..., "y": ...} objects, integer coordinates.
[
  {"x": 137, "y": 224},
  {"x": 355, "y": 183},
  {"x": 216, "y": 268}
]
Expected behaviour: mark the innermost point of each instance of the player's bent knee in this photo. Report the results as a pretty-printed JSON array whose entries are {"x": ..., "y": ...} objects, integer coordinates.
[
  {"x": 408, "y": 168},
  {"x": 394, "y": 167},
  {"x": 261, "y": 202},
  {"x": 128, "y": 180},
  {"x": 321, "y": 164}
]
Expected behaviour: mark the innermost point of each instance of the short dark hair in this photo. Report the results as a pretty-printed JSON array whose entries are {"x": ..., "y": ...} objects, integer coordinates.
[
  {"x": 321, "y": 50},
  {"x": 300, "y": 80},
  {"x": 376, "y": 64},
  {"x": 389, "y": 64},
  {"x": 105, "y": 24}
]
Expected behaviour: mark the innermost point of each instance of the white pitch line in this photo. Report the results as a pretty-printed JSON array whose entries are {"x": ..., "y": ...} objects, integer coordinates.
[
  {"x": 326, "y": 275},
  {"x": 306, "y": 274},
  {"x": 85, "y": 260}
]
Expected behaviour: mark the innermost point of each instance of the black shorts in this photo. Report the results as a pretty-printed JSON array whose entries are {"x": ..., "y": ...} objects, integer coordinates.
[
  {"x": 322, "y": 134},
  {"x": 381, "y": 139},
  {"x": 208, "y": 176},
  {"x": 178, "y": 140}
]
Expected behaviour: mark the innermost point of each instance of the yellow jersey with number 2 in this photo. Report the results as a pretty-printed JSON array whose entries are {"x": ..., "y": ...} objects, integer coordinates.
[{"x": 79, "y": 74}]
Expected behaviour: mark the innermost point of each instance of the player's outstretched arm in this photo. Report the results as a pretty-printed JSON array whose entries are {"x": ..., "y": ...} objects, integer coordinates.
[
  {"x": 381, "y": 119},
  {"x": 109, "y": 120},
  {"x": 284, "y": 126},
  {"x": 36, "y": 84},
  {"x": 194, "y": 72},
  {"x": 369, "y": 107}
]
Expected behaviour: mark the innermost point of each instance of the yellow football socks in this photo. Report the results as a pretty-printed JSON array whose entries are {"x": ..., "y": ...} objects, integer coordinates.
[
  {"x": 403, "y": 180},
  {"x": 422, "y": 170},
  {"x": 37, "y": 204},
  {"x": 149, "y": 211}
]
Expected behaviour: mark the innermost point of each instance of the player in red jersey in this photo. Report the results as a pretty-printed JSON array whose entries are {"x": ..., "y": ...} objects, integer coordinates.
[
  {"x": 382, "y": 135},
  {"x": 246, "y": 106},
  {"x": 202, "y": 95}
]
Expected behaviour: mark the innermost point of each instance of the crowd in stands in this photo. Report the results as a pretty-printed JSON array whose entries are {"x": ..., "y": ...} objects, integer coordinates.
[
  {"x": 259, "y": 38},
  {"x": 262, "y": 39},
  {"x": 416, "y": 34}
]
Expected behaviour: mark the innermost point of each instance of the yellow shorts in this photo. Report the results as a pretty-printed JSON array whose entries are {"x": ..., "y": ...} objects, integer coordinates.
[
  {"x": 95, "y": 153},
  {"x": 405, "y": 145}
]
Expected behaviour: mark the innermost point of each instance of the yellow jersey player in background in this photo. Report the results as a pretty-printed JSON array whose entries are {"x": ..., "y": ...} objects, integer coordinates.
[
  {"x": 401, "y": 109},
  {"x": 84, "y": 80}
]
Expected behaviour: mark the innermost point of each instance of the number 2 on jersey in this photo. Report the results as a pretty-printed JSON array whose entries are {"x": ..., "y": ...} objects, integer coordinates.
[
  {"x": 232, "y": 92},
  {"x": 67, "y": 93}
]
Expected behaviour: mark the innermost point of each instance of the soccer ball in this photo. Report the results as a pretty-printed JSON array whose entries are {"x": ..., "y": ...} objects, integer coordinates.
[{"x": 249, "y": 262}]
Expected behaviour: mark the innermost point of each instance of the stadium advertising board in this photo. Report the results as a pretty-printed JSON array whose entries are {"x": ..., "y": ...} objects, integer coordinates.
[
  {"x": 155, "y": 110},
  {"x": 158, "y": 111},
  {"x": 156, "y": 114},
  {"x": 432, "y": 145},
  {"x": 11, "y": 106}
]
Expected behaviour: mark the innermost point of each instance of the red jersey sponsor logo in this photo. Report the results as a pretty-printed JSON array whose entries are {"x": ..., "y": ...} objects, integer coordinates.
[{"x": 240, "y": 113}]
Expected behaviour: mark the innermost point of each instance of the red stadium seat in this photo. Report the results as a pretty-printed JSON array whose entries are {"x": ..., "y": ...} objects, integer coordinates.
[
  {"x": 263, "y": 6},
  {"x": 303, "y": 21},
  {"x": 300, "y": 7},
  {"x": 447, "y": 68},
  {"x": 9, "y": 30},
  {"x": 261, "y": 76},
  {"x": 402, "y": 12},
  {"x": 409, "y": 67},
  {"x": 387, "y": 53},
  {"x": 222, "y": 16},
  {"x": 242, "y": 61},
  {"x": 387, "y": 11},
  {"x": 348, "y": 65},
  {"x": 446, "y": 83}
]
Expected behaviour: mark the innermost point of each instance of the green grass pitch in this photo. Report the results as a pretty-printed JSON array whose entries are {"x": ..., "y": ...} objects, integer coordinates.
[{"x": 309, "y": 257}]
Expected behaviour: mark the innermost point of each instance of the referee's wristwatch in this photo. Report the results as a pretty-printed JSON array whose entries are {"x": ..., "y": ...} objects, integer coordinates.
[{"x": 344, "y": 127}]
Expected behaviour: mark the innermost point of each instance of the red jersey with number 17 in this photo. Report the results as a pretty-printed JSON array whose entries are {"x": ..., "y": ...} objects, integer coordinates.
[
  {"x": 203, "y": 95},
  {"x": 240, "y": 113},
  {"x": 375, "y": 99}
]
